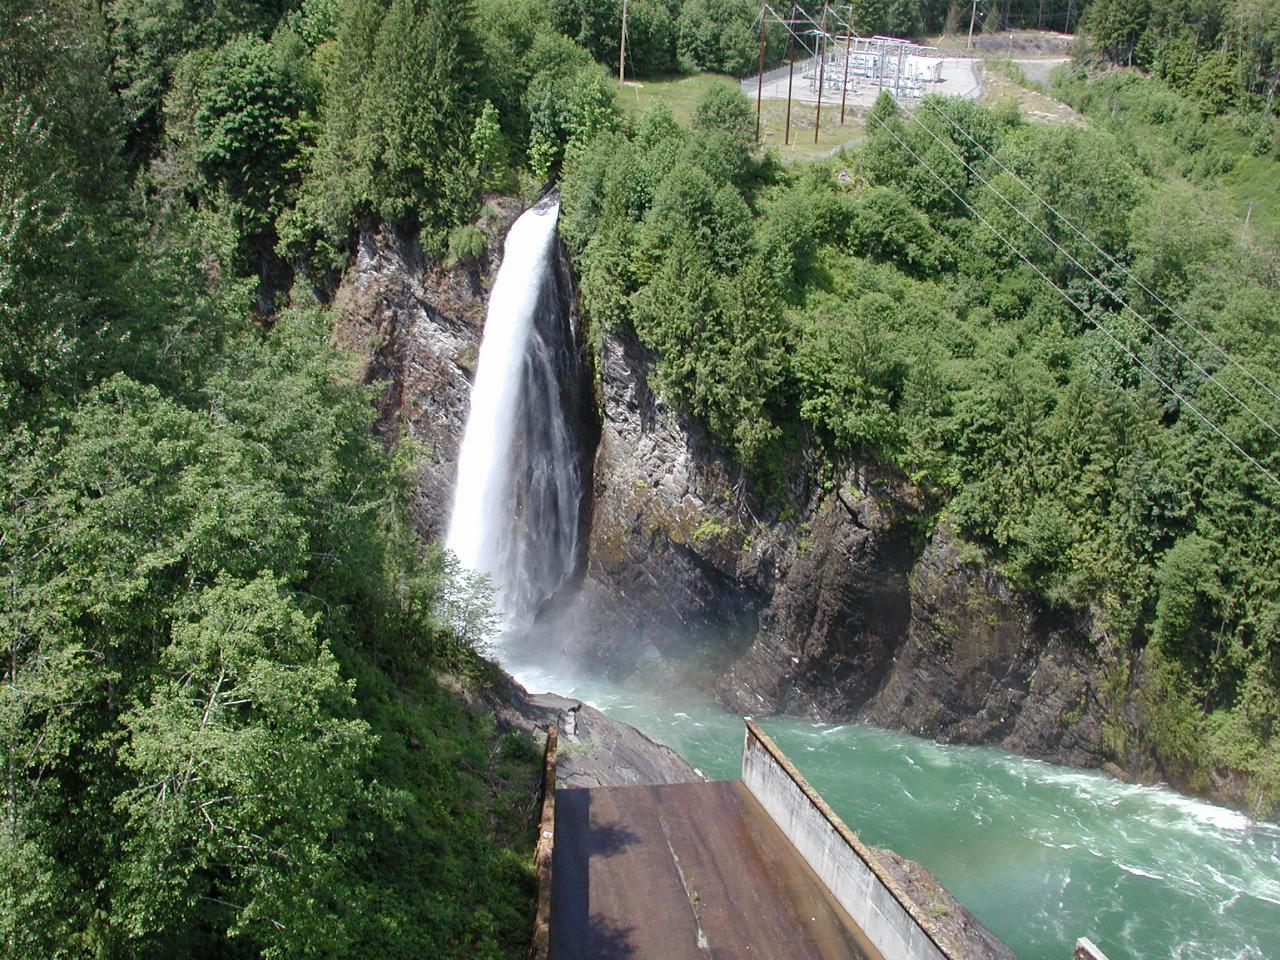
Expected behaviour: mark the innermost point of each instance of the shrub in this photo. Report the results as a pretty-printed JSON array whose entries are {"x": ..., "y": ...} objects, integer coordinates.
[{"x": 466, "y": 246}]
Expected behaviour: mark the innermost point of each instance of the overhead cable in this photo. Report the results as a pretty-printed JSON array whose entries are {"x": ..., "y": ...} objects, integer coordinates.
[
  {"x": 1119, "y": 299},
  {"x": 1203, "y": 336},
  {"x": 1186, "y": 402}
]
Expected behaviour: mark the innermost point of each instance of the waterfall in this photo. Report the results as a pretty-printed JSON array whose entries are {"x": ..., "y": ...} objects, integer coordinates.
[{"x": 518, "y": 501}]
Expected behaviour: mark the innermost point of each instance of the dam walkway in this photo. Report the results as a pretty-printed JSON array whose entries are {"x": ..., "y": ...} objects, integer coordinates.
[{"x": 752, "y": 869}]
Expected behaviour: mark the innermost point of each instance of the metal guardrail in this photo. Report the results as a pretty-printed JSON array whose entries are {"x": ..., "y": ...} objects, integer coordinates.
[{"x": 541, "y": 945}]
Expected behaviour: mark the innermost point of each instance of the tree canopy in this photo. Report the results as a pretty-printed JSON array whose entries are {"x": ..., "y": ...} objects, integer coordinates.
[
  {"x": 999, "y": 313},
  {"x": 223, "y": 638}
]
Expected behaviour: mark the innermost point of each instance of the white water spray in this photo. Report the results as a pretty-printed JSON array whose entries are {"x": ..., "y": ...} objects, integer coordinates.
[{"x": 516, "y": 505}]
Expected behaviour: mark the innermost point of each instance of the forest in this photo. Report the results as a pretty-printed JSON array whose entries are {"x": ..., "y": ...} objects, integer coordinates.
[{"x": 228, "y": 724}]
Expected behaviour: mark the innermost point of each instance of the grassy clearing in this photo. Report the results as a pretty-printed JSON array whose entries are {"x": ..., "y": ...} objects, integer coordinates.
[
  {"x": 1256, "y": 181},
  {"x": 682, "y": 94},
  {"x": 1004, "y": 80}
]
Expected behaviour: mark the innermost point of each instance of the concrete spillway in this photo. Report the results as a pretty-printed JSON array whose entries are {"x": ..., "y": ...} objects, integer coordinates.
[
  {"x": 718, "y": 875},
  {"x": 757, "y": 868}
]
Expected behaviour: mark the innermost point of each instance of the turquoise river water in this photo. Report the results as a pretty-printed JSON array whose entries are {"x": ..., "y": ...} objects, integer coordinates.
[{"x": 1042, "y": 854}]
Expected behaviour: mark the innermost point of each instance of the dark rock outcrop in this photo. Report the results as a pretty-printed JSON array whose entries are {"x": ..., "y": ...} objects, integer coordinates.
[
  {"x": 833, "y": 608},
  {"x": 593, "y": 751},
  {"x": 667, "y": 570},
  {"x": 830, "y": 628},
  {"x": 418, "y": 326},
  {"x": 983, "y": 664}
]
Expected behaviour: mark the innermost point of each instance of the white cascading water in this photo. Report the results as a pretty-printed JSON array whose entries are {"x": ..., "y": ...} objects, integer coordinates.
[{"x": 516, "y": 504}]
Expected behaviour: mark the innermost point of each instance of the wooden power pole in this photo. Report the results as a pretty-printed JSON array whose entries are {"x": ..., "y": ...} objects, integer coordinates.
[
  {"x": 973, "y": 15},
  {"x": 791, "y": 70},
  {"x": 822, "y": 72},
  {"x": 760, "y": 80},
  {"x": 844, "y": 86},
  {"x": 622, "y": 48}
]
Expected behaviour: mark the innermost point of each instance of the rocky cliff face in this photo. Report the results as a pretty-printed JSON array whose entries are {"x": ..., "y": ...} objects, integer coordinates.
[
  {"x": 981, "y": 663},
  {"x": 668, "y": 572},
  {"x": 418, "y": 327},
  {"x": 834, "y": 606}
]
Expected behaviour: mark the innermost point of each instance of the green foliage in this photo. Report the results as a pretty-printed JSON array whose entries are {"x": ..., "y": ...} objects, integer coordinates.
[
  {"x": 417, "y": 113},
  {"x": 466, "y": 245},
  {"x": 317, "y": 21},
  {"x": 52, "y": 61},
  {"x": 848, "y": 375},
  {"x": 222, "y": 731},
  {"x": 1082, "y": 175},
  {"x": 1189, "y": 592},
  {"x": 717, "y": 36},
  {"x": 723, "y": 109},
  {"x": 1225, "y": 55},
  {"x": 249, "y": 768},
  {"x": 234, "y": 117},
  {"x": 566, "y": 110},
  {"x": 489, "y": 150},
  {"x": 1172, "y": 723},
  {"x": 900, "y": 154},
  {"x": 593, "y": 25},
  {"x": 1117, "y": 26},
  {"x": 886, "y": 17},
  {"x": 877, "y": 318},
  {"x": 652, "y": 33},
  {"x": 399, "y": 113},
  {"x": 886, "y": 226},
  {"x": 210, "y": 570},
  {"x": 62, "y": 293},
  {"x": 149, "y": 37}
]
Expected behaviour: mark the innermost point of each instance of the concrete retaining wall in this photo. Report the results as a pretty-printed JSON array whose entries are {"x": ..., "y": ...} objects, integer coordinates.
[
  {"x": 890, "y": 919},
  {"x": 540, "y": 947}
]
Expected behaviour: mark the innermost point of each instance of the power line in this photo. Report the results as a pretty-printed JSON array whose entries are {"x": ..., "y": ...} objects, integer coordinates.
[
  {"x": 1129, "y": 273},
  {"x": 1149, "y": 325},
  {"x": 1066, "y": 296},
  {"x": 1133, "y": 356},
  {"x": 1167, "y": 386}
]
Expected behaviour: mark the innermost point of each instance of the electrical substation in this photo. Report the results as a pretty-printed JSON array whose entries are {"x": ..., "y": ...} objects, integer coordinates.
[{"x": 828, "y": 63}]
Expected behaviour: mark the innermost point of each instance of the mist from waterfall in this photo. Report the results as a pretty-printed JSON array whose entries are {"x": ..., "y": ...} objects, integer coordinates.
[{"x": 516, "y": 507}]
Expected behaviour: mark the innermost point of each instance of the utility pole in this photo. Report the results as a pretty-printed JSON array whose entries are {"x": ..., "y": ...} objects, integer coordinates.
[
  {"x": 822, "y": 74},
  {"x": 973, "y": 15},
  {"x": 791, "y": 71},
  {"x": 622, "y": 48},
  {"x": 760, "y": 81},
  {"x": 844, "y": 88}
]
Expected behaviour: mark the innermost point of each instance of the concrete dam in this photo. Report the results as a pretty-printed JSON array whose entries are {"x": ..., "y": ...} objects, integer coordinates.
[{"x": 759, "y": 867}]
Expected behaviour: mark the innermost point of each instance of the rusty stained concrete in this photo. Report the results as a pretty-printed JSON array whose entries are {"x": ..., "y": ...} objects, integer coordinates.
[{"x": 695, "y": 871}]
